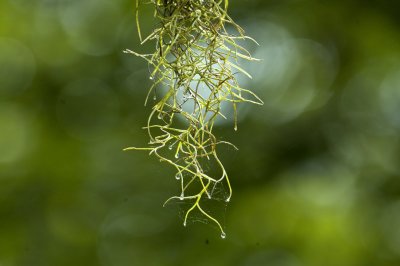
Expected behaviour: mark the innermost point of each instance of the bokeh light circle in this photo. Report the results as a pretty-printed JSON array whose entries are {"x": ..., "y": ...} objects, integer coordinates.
[
  {"x": 15, "y": 133},
  {"x": 91, "y": 25},
  {"x": 17, "y": 67},
  {"x": 389, "y": 93},
  {"x": 293, "y": 76}
]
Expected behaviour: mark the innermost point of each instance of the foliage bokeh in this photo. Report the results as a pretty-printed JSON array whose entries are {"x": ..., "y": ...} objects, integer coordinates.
[{"x": 316, "y": 177}]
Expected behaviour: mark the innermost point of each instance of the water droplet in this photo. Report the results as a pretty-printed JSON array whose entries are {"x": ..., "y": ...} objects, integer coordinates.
[
  {"x": 228, "y": 199},
  {"x": 177, "y": 155},
  {"x": 223, "y": 235},
  {"x": 170, "y": 147},
  {"x": 178, "y": 176},
  {"x": 235, "y": 128},
  {"x": 155, "y": 97},
  {"x": 151, "y": 78},
  {"x": 184, "y": 223}
]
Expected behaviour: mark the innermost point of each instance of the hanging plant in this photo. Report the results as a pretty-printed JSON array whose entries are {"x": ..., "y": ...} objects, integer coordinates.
[{"x": 196, "y": 60}]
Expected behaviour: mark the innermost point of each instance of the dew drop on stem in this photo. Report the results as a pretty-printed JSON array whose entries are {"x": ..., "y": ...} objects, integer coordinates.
[{"x": 223, "y": 235}]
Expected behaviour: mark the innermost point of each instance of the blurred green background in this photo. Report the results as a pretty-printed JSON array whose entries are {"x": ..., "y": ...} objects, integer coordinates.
[{"x": 316, "y": 178}]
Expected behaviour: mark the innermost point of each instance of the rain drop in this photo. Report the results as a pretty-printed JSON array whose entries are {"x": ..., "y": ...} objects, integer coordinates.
[
  {"x": 178, "y": 176},
  {"x": 223, "y": 235}
]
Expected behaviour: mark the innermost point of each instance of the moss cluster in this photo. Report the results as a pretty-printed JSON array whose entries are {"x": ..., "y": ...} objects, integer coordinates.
[{"x": 196, "y": 59}]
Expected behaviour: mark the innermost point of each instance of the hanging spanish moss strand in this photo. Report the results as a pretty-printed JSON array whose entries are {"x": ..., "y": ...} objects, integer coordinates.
[{"x": 196, "y": 60}]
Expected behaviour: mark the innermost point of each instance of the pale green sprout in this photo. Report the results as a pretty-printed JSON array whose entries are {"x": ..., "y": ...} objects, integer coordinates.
[{"x": 193, "y": 50}]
